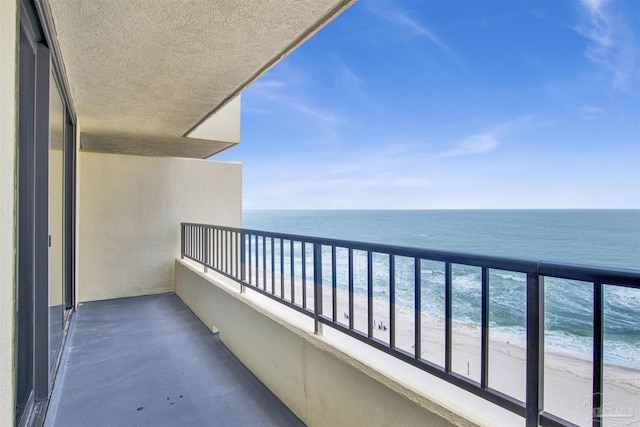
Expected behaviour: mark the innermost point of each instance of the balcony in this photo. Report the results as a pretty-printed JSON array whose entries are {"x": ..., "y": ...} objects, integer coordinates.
[
  {"x": 149, "y": 361},
  {"x": 242, "y": 342}
]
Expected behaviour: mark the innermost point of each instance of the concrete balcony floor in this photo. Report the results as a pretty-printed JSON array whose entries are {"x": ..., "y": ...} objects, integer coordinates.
[{"x": 148, "y": 361}]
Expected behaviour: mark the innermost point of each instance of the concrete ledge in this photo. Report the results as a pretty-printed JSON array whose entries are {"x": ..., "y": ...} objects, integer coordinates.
[{"x": 321, "y": 384}]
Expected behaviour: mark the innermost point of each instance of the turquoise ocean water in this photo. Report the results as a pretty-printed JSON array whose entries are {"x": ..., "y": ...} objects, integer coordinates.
[{"x": 609, "y": 238}]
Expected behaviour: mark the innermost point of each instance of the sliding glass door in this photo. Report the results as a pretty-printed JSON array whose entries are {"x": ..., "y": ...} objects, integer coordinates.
[
  {"x": 45, "y": 208},
  {"x": 56, "y": 214}
]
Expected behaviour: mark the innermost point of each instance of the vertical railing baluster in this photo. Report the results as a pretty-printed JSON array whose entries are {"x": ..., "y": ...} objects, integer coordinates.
[
  {"x": 250, "y": 263},
  {"x": 351, "y": 288},
  {"x": 257, "y": 284},
  {"x": 303, "y": 250},
  {"x": 448, "y": 316},
  {"x": 243, "y": 273},
  {"x": 293, "y": 280},
  {"x": 369, "y": 294},
  {"x": 264, "y": 263},
  {"x": 218, "y": 248},
  {"x": 273, "y": 266},
  {"x": 282, "y": 268},
  {"x": 181, "y": 241},
  {"x": 392, "y": 300},
  {"x": 535, "y": 349},
  {"x": 417, "y": 289},
  {"x": 234, "y": 251},
  {"x": 334, "y": 284},
  {"x": 196, "y": 243},
  {"x": 227, "y": 251},
  {"x": 214, "y": 242},
  {"x": 598, "y": 344},
  {"x": 206, "y": 251},
  {"x": 317, "y": 286},
  {"x": 484, "y": 347}
]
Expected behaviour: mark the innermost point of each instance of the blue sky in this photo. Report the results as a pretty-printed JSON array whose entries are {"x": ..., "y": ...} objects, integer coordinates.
[{"x": 414, "y": 104}]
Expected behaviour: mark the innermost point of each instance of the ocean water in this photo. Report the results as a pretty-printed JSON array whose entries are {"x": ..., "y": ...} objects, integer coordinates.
[{"x": 607, "y": 238}]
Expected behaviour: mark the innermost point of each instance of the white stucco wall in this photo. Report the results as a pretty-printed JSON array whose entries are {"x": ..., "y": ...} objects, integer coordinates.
[
  {"x": 130, "y": 213},
  {"x": 321, "y": 384},
  {"x": 8, "y": 133},
  {"x": 224, "y": 125}
]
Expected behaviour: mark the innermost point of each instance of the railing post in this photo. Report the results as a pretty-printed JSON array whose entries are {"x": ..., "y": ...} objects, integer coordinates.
[
  {"x": 417, "y": 307},
  {"x": 598, "y": 343},
  {"x": 448, "y": 316},
  {"x": 484, "y": 348},
  {"x": 535, "y": 349},
  {"x": 317, "y": 286}
]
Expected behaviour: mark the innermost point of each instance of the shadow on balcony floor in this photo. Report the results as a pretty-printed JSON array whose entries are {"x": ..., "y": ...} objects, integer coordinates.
[{"x": 148, "y": 361}]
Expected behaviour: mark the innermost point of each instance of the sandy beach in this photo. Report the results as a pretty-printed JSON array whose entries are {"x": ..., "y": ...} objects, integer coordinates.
[{"x": 567, "y": 391}]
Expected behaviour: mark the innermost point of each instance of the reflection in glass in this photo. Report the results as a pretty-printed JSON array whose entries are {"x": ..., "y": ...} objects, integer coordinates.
[{"x": 56, "y": 167}]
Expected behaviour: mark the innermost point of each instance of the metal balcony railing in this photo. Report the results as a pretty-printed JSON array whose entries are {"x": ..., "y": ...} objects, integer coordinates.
[{"x": 281, "y": 265}]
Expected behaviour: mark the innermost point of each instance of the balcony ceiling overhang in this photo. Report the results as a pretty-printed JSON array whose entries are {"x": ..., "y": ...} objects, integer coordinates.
[{"x": 144, "y": 73}]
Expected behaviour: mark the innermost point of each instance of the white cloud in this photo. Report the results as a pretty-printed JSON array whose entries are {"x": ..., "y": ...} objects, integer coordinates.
[
  {"x": 397, "y": 17},
  {"x": 288, "y": 95},
  {"x": 593, "y": 6},
  {"x": 262, "y": 85},
  {"x": 611, "y": 44},
  {"x": 487, "y": 140},
  {"x": 380, "y": 178},
  {"x": 591, "y": 109},
  {"x": 345, "y": 75},
  {"x": 591, "y": 112},
  {"x": 474, "y": 144}
]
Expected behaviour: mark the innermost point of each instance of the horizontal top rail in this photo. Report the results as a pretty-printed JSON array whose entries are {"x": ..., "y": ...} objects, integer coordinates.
[{"x": 606, "y": 275}]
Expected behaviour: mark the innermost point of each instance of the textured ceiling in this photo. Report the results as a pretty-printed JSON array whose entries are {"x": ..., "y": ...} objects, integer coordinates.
[{"x": 143, "y": 73}]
